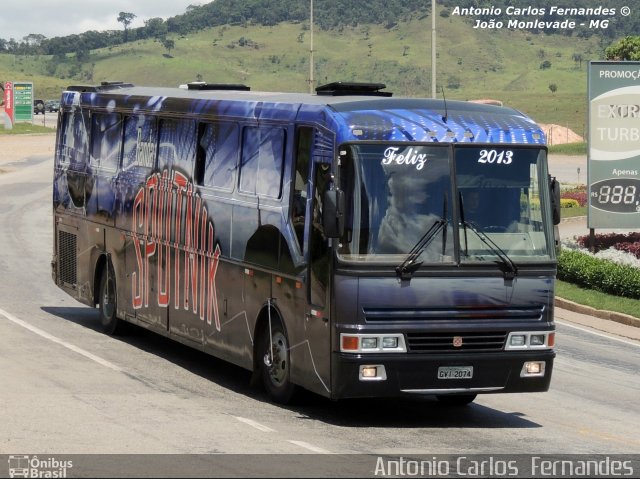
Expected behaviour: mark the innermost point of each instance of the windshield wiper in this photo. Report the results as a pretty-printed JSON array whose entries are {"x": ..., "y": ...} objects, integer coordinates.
[
  {"x": 509, "y": 268},
  {"x": 409, "y": 266}
]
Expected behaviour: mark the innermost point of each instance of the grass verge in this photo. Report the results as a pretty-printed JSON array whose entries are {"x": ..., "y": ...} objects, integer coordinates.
[
  {"x": 598, "y": 300},
  {"x": 26, "y": 128},
  {"x": 571, "y": 212},
  {"x": 569, "y": 149}
]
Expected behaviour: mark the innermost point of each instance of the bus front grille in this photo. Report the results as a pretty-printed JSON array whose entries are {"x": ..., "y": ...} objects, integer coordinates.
[
  {"x": 476, "y": 313},
  {"x": 67, "y": 258},
  {"x": 488, "y": 341}
]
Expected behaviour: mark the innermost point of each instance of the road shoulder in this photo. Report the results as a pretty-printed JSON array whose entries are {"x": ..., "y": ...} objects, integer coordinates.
[{"x": 606, "y": 321}]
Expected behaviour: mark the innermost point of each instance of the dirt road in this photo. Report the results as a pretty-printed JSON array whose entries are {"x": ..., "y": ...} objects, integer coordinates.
[{"x": 18, "y": 148}]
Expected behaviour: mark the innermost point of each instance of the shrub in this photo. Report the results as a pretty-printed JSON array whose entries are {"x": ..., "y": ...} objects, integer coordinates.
[
  {"x": 631, "y": 248},
  {"x": 580, "y": 195},
  {"x": 598, "y": 274},
  {"x": 609, "y": 240},
  {"x": 568, "y": 203}
]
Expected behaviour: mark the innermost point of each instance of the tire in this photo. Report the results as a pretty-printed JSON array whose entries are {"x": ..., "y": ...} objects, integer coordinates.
[
  {"x": 108, "y": 303},
  {"x": 276, "y": 373},
  {"x": 456, "y": 399}
]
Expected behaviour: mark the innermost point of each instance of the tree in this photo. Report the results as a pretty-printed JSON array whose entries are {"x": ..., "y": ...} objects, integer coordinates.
[
  {"x": 126, "y": 18},
  {"x": 553, "y": 87},
  {"x": 155, "y": 28},
  {"x": 626, "y": 49},
  {"x": 34, "y": 39},
  {"x": 168, "y": 44},
  {"x": 578, "y": 58}
]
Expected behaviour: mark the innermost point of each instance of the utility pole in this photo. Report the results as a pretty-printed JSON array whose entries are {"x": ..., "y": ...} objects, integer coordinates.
[
  {"x": 311, "y": 50},
  {"x": 433, "y": 48}
]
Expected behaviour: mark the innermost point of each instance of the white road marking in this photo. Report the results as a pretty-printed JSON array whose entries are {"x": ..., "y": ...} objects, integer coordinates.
[
  {"x": 310, "y": 447},
  {"x": 254, "y": 424},
  {"x": 591, "y": 331},
  {"x": 59, "y": 341}
]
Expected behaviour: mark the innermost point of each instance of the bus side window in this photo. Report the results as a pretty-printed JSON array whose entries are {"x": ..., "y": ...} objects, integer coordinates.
[
  {"x": 177, "y": 144},
  {"x": 73, "y": 153},
  {"x": 65, "y": 139},
  {"x": 106, "y": 140},
  {"x": 140, "y": 144},
  {"x": 262, "y": 161},
  {"x": 217, "y": 155},
  {"x": 301, "y": 182}
]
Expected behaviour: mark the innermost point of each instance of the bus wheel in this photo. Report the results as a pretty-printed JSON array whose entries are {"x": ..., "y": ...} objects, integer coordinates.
[
  {"x": 456, "y": 399},
  {"x": 107, "y": 302},
  {"x": 275, "y": 364}
]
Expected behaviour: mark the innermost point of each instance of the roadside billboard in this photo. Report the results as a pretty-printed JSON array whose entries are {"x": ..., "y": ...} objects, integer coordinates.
[
  {"x": 22, "y": 101},
  {"x": 614, "y": 145}
]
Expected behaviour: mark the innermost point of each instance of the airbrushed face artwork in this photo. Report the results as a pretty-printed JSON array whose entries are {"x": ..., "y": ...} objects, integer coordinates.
[{"x": 159, "y": 208}]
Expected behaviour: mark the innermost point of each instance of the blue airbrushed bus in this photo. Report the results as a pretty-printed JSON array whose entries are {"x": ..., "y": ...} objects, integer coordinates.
[{"x": 347, "y": 242}]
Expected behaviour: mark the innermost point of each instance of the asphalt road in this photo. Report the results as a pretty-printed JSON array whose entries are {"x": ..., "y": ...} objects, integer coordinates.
[{"x": 65, "y": 388}]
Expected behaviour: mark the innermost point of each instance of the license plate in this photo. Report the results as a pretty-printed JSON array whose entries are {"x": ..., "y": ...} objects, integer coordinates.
[{"x": 455, "y": 372}]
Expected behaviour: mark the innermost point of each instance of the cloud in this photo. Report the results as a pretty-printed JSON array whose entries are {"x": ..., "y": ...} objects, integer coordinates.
[{"x": 57, "y": 18}]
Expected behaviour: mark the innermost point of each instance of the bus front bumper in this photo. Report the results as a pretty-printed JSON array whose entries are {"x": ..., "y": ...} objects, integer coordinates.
[{"x": 388, "y": 375}]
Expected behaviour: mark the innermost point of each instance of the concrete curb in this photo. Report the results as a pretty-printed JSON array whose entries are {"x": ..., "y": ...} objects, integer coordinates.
[{"x": 598, "y": 313}]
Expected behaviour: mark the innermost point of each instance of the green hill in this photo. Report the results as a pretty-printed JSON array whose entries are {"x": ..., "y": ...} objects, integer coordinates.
[{"x": 515, "y": 67}]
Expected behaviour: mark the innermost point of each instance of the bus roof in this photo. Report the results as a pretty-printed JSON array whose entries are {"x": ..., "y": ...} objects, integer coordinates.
[{"x": 357, "y": 117}]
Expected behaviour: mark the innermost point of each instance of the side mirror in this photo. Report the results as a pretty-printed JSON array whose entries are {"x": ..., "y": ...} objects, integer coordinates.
[
  {"x": 333, "y": 213},
  {"x": 554, "y": 188}
]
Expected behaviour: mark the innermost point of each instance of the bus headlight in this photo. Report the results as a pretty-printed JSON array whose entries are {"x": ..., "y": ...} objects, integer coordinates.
[
  {"x": 390, "y": 342},
  {"x": 372, "y": 343},
  {"x": 523, "y": 341},
  {"x": 369, "y": 343}
]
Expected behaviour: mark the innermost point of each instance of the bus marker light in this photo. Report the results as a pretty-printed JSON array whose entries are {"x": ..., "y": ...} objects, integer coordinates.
[
  {"x": 551, "y": 340},
  {"x": 350, "y": 343}
]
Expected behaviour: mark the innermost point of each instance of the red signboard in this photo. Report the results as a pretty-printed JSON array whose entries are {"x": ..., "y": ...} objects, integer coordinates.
[{"x": 8, "y": 99}]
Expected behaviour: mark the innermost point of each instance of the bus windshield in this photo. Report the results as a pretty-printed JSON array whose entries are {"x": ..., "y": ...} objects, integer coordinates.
[
  {"x": 398, "y": 193},
  {"x": 503, "y": 199}
]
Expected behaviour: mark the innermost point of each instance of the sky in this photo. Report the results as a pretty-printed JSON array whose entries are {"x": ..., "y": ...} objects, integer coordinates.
[{"x": 57, "y": 18}]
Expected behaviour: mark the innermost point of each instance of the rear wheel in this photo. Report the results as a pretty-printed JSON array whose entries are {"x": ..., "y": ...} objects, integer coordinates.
[
  {"x": 108, "y": 302},
  {"x": 456, "y": 399},
  {"x": 275, "y": 364}
]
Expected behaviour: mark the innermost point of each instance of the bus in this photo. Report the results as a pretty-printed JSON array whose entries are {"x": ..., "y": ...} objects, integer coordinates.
[{"x": 346, "y": 242}]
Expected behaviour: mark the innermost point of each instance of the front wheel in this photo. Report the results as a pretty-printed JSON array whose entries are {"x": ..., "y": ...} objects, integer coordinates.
[
  {"x": 275, "y": 364},
  {"x": 456, "y": 399},
  {"x": 108, "y": 302}
]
